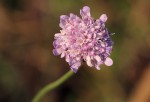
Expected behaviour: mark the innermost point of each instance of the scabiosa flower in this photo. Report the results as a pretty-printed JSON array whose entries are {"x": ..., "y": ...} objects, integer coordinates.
[{"x": 83, "y": 39}]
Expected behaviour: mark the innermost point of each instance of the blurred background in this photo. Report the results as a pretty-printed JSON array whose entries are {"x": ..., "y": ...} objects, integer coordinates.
[{"x": 27, "y": 29}]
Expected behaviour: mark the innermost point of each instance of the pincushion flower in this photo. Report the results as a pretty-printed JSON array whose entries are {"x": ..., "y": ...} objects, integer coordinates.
[{"x": 83, "y": 39}]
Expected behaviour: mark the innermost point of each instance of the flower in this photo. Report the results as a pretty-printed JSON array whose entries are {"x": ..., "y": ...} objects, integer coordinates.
[{"x": 83, "y": 39}]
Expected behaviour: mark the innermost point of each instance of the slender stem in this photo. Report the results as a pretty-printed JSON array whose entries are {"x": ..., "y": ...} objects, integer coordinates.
[{"x": 52, "y": 86}]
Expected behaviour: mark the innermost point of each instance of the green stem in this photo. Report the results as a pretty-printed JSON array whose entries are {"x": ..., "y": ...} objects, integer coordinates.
[{"x": 52, "y": 86}]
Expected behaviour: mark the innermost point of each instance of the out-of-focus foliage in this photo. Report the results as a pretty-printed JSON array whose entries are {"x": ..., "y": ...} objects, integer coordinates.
[{"x": 27, "y": 29}]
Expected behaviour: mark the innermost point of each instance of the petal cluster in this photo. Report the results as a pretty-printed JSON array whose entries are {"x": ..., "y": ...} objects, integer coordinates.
[{"x": 83, "y": 39}]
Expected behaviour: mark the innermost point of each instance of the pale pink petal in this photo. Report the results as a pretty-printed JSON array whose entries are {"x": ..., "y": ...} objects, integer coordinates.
[
  {"x": 88, "y": 61},
  {"x": 62, "y": 55},
  {"x": 98, "y": 59},
  {"x": 54, "y": 43},
  {"x": 75, "y": 66},
  {"x": 103, "y": 18},
  {"x": 108, "y": 61},
  {"x": 57, "y": 51},
  {"x": 98, "y": 67},
  {"x": 85, "y": 11},
  {"x": 63, "y": 21},
  {"x": 67, "y": 58}
]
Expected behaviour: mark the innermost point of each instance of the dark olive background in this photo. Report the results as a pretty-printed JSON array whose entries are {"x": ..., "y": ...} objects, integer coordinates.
[{"x": 27, "y": 29}]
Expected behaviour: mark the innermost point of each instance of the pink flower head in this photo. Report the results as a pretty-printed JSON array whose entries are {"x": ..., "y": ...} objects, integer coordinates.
[{"x": 83, "y": 39}]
